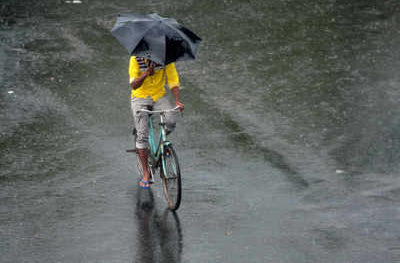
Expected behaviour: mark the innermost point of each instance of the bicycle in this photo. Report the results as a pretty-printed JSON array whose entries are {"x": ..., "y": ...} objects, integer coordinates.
[{"x": 162, "y": 156}]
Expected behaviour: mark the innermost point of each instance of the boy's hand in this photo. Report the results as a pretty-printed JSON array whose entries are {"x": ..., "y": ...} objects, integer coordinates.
[
  {"x": 180, "y": 105},
  {"x": 150, "y": 68}
]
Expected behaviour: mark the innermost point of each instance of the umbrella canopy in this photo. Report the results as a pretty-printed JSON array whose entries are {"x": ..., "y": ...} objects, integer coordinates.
[{"x": 162, "y": 40}]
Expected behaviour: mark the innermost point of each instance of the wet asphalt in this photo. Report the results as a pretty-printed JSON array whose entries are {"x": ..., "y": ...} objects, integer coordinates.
[{"x": 289, "y": 144}]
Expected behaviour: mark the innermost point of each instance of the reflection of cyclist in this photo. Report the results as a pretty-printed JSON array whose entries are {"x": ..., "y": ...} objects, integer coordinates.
[
  {"x": 162, "y": 232},
  {"x": 148, "y": 81}
]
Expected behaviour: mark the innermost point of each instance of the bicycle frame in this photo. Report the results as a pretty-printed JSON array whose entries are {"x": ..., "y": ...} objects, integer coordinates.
[
  {"x": 161, "y": 155},
  {"x": 156, "y": 151}
]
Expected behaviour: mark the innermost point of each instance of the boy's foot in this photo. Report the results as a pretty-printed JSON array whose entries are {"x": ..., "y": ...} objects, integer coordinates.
[{"x": 144, "y": 184}]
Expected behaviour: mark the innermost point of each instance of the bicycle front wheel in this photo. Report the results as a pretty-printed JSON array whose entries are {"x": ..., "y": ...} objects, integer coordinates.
[{"x": 171, "y": 178}]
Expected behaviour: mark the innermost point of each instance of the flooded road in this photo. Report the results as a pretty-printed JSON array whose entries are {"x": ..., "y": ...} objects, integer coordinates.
[{"x": 289, "y": 144}]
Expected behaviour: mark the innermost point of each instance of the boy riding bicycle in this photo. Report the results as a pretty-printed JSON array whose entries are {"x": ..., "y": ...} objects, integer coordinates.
[{"x": 148, "y": 80}]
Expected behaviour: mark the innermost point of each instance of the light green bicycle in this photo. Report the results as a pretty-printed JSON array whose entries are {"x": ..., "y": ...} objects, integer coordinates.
[{"x": 162, "y": 160}]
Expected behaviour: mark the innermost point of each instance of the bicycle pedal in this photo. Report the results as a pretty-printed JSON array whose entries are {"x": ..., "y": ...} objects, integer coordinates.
[{"x": 131, "y": 151}]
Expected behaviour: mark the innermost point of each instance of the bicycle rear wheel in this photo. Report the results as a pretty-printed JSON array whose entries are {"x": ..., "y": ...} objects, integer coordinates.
[{"x": 171, "y": 178}]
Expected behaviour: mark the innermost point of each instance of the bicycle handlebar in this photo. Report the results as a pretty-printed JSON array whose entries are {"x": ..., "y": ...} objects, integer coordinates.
[{"x": 159, "y": 111}]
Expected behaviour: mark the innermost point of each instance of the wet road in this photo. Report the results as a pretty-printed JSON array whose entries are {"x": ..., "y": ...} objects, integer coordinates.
[{"x": 289, "y": 144}]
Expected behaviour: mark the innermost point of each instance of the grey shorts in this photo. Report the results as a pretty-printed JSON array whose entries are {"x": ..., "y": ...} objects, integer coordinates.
[{"x": 141, "y": 118}]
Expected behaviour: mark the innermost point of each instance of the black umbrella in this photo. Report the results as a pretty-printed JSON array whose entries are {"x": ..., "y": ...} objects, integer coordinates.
[{"x": 157, "y": 38}]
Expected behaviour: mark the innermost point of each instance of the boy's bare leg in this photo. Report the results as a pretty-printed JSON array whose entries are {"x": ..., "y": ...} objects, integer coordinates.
[{"x": 143, "y": 155}]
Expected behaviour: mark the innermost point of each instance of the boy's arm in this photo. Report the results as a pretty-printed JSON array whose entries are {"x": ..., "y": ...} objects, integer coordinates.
[
  {"x": 137, "y": 82},
  {"x": 175, "y": 92},
  {"x": 173, "y": 83}
]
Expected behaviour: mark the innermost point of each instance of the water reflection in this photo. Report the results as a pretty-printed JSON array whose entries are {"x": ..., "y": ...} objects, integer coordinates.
[{"x": 159, "y": 237}]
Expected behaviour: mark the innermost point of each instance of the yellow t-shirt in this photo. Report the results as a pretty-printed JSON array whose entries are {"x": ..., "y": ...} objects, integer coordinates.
[{"x": 153, "y": 86}]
